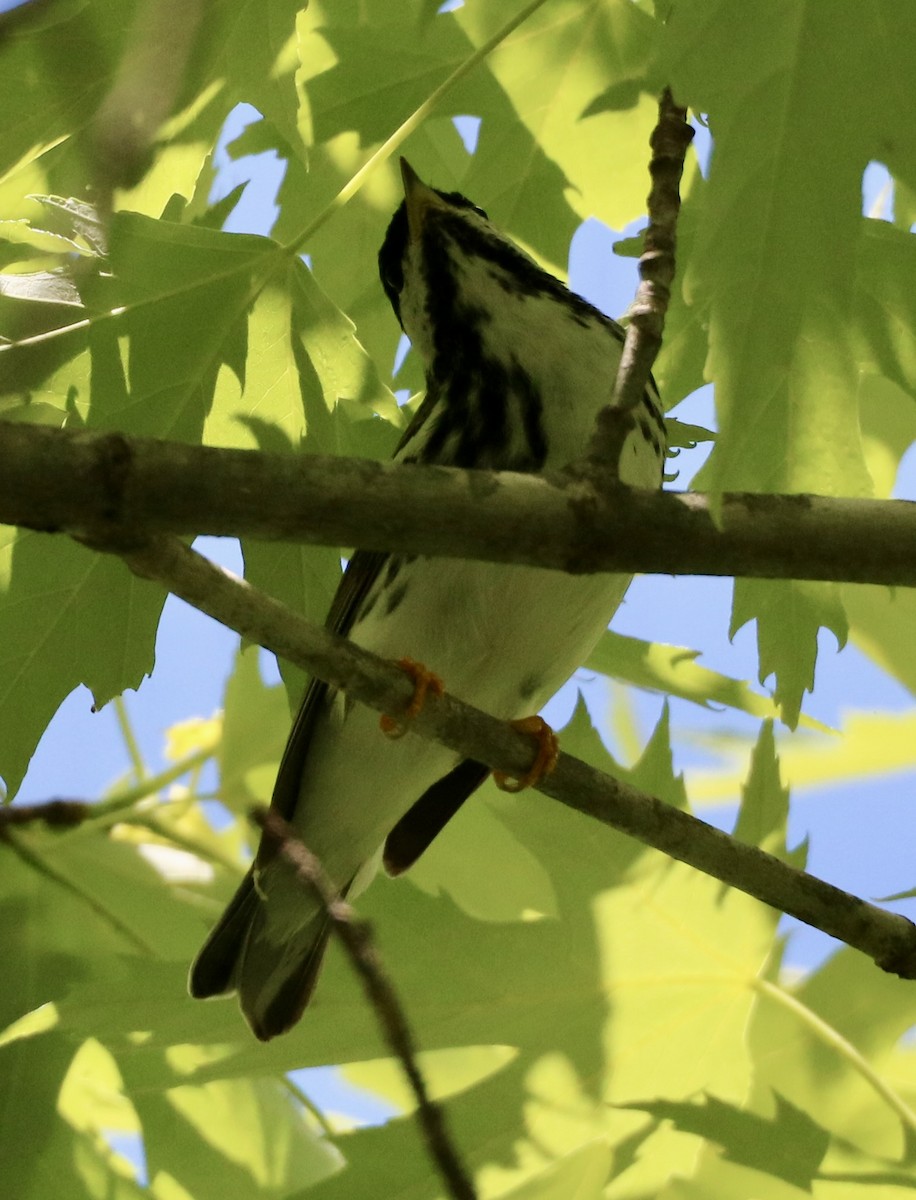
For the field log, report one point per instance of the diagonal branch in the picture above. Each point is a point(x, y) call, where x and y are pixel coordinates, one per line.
point(355, 935)
point(886, 937)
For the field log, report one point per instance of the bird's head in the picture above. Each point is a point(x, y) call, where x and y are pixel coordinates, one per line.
point(445, 267)
point(424, 254)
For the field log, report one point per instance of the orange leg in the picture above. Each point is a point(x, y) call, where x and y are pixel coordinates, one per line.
point(424, 683)
point(545, 761)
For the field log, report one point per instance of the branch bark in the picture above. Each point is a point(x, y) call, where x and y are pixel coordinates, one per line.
point(78, 482)
point(886, 937)
point(669, 141)
point(356, 937)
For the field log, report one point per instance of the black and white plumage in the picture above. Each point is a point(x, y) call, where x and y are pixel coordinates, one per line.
point(517, 368)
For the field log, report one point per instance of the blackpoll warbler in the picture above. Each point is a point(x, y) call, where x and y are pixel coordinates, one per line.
point(517, 367)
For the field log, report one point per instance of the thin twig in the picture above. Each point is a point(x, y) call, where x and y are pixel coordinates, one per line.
point(886, 937)
point(669, 141)
point(56, 814)
point(412, 123)
point(65, 814)
point(842, 1046)
point(356, 938)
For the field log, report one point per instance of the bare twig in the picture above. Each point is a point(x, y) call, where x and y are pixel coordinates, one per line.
point(64, 814)
point(56, 814)
point(886, 937)
point(356, 938)
point(669, 141)
point(59, 480)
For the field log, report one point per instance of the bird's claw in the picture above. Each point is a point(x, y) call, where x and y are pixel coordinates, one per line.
point(544, 762)
point(425, 682)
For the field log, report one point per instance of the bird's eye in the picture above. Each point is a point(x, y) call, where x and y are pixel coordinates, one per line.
point(392, 278)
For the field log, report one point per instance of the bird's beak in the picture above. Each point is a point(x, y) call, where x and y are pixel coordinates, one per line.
point(420, 200)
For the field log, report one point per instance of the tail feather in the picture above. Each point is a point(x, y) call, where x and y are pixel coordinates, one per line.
point(213, 971)
point(274, 978)
point(276, 982)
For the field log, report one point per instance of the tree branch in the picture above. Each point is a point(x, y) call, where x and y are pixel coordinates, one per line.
point(886, 937)
point(56, 814)
point(669, 141)
point(356, 938)
point(78, 482)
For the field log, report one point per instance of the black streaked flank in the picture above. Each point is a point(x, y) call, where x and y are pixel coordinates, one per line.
point(394, 598)
point(367, 606)
point(652, 435)
point(529, 398)
point(382, 584)
point(473, 427)
point(394, 569)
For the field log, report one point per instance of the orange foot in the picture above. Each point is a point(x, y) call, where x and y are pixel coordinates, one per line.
point(545, 761)
point(424, 682)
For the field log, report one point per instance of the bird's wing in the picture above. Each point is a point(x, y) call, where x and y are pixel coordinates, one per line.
point(427, 818)
point(218, 967)
point(361, 573)
point(417, 421)
point(435, 808)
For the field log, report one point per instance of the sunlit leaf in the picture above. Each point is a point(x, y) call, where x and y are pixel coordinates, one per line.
point(673, 670)
point(67, 616)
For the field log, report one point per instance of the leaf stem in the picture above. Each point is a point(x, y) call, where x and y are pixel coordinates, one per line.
point(41, 866)
point(406, 128)
point(835, 1040)
point(114, 806)
point(130, 740)
point(310, 1106)
point(151, 822)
